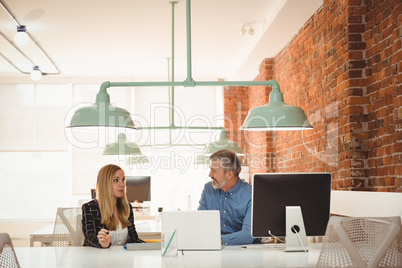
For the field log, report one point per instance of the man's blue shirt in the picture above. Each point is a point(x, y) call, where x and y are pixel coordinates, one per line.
point(235, 210)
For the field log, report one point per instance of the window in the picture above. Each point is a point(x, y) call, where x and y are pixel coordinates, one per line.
point(32, 117)
point(41, 168)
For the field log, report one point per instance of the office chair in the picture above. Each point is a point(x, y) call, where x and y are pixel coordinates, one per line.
point(7, 253)
point(67, 228)
point(79, 235)
point(362, 242)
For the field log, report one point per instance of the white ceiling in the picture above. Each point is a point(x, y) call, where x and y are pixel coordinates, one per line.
point(132, 38)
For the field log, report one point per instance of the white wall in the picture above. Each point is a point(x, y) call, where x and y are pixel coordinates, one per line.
point(366, 204)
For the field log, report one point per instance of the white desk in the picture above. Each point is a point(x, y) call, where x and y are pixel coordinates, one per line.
point(230, 256)
point(146, 229)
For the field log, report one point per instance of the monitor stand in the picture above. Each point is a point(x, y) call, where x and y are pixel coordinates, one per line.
point(296, 239)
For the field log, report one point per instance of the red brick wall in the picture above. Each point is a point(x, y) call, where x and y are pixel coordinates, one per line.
point(327, 69)
point(236, 105)
point(384, 77)
point(344, 69)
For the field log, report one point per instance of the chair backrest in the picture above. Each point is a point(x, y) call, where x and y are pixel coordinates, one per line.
point(79, 235)
point(7, 253)
point(67, 228)
point(362, 242)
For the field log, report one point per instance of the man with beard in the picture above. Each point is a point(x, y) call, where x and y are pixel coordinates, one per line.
point(231, 196)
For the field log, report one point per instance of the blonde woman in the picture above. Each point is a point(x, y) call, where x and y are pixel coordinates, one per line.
point(108, 220)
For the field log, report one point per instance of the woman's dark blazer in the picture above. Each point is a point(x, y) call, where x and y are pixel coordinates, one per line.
point(91, 225)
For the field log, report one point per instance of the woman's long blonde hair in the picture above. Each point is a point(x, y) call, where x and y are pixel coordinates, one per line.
point(106, 199)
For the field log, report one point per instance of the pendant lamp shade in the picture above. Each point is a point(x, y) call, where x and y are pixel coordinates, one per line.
point(276, 115)
point(122, 147)
point(223, 144)
point(102, 113)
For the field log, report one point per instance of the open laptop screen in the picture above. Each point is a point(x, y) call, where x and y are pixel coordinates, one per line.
point(196, 230)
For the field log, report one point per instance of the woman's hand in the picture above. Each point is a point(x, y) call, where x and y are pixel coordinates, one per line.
point(104, 238)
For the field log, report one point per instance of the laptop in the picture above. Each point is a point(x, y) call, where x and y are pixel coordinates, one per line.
point(196, 230)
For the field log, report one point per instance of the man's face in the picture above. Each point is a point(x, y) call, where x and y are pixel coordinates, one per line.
point(217, 174)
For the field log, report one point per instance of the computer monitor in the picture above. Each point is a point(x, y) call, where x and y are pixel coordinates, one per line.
point(138, 188)
point(278, 196)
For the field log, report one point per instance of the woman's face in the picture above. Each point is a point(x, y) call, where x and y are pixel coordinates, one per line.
point(119, 184)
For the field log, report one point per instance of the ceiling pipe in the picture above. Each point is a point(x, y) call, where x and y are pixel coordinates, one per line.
point(189, 81)
point(171, 100)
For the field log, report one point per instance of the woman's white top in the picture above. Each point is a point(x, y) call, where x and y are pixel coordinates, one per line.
point(119, 236)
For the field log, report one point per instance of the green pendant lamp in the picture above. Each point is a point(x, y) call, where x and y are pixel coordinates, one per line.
point(223, 144)
point(102, 113)
point(276, 115)
point(122, 147)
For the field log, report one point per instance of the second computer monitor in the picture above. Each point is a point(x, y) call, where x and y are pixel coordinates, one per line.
point(273, 192)
point(138, 188)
